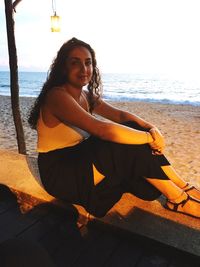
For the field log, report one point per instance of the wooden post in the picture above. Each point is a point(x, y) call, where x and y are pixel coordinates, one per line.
point(14, 85)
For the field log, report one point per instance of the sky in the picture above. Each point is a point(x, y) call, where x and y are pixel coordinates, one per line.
point(129, 36)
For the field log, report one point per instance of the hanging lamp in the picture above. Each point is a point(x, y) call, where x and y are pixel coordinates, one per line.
point(55, 19)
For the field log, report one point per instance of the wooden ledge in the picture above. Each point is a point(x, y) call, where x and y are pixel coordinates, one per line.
point(20, 173)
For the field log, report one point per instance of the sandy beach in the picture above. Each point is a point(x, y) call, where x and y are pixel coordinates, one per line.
point(180, 124)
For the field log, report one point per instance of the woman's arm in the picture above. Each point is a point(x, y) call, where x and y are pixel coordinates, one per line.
point(117, 115)
point(64, 107)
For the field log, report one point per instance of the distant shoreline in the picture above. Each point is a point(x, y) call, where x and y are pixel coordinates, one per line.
point(130, 101)
point(120, 87)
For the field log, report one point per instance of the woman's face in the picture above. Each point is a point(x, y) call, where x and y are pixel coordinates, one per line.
point(79, 67)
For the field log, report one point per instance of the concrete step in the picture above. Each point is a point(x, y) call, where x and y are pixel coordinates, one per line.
point(150, 219)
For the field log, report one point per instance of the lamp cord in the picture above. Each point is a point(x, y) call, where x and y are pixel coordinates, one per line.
point(54, 6)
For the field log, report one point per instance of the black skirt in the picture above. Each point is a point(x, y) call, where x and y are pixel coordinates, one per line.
point(67, 173)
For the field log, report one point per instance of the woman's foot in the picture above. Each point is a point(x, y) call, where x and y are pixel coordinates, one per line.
point(192, 191)
point(185, 204)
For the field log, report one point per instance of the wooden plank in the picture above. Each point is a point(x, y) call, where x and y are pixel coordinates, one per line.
point(73, 246)
point(54, 239)
point(62, 228)
point(153, 257)
point(128, 253)
point(96, 244)
point(7, 199)
point(145, 251)
point(97, 254)
point(184, 260)
point(14, 222)
point(46, 218)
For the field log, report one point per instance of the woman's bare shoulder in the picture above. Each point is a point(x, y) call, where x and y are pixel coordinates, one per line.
point(58, 96)
point(58, 91)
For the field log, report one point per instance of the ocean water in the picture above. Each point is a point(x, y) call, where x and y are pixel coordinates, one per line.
point(119, 87)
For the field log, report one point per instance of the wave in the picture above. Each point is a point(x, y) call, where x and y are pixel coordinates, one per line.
point(151, 100)
point(4, 86)
point(119, 87)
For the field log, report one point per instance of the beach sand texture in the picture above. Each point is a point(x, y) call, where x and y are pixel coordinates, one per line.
point(180, 124)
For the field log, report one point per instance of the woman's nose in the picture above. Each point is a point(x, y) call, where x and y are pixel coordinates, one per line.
point(83, 67)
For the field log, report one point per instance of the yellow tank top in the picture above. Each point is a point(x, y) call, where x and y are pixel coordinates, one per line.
point(60, 136)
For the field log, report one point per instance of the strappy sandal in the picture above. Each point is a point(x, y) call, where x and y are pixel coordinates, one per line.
point(182, 203)
point(188, 187)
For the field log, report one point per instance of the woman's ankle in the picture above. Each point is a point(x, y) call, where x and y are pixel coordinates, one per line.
point(186, 186)
point(178, 199)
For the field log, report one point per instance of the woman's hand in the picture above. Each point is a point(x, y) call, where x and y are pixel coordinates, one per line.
point(158, 143)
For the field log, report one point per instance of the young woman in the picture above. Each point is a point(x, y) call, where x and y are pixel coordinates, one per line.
point(90, 161)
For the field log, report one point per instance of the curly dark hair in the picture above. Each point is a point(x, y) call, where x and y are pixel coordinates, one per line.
point(57, 77)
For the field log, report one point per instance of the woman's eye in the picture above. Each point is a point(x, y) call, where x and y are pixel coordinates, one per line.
point(88, 63)
point(75, 63)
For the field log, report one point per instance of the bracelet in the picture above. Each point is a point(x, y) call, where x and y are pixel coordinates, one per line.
point(152, 129)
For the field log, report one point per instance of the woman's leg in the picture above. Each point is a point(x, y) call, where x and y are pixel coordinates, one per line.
point(98, 176)
point(171, 188)
point(133, 168)
point(171, 173)
point(176, 195)
point(175, 178)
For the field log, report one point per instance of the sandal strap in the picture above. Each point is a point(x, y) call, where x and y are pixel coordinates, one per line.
point(188, 187)
point(182, 203)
